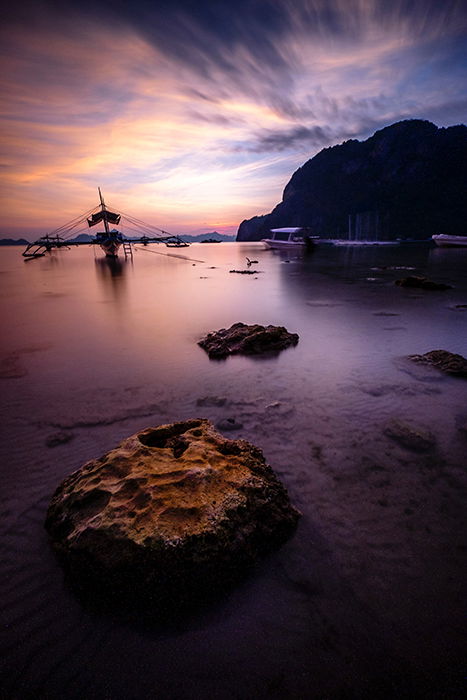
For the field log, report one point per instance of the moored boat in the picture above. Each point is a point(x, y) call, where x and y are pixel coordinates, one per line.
point(109, 240)
point(290, 238)
point(446, 241)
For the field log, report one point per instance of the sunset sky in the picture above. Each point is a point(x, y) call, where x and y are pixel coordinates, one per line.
point(193, 114)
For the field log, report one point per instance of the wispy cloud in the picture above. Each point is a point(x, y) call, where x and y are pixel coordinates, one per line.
point(266, 142)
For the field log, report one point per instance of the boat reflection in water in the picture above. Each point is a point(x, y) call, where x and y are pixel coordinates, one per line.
point(109, 267)
point(111, 274)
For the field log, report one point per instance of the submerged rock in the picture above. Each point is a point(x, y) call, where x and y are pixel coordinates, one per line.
point(422, 283)
point(211, 401)
point(60, 438)
point(169, 516)
point(229, 424)
point(247, 340)
point(414, 438)
point(446, 361)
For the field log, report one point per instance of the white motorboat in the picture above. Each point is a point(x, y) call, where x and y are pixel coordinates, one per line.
point(290, 238)
point(446, 241)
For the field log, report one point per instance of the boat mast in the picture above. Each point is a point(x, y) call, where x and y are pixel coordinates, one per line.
point(106, 223)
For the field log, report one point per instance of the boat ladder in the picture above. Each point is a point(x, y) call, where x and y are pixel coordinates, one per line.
point(128, 249)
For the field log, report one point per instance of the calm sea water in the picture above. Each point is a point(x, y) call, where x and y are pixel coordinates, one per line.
point(368, 597)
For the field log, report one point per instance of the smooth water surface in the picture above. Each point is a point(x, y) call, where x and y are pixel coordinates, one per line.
point(368, 598)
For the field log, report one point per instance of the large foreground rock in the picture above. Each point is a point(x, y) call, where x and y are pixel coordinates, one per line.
point(247, 340)
point(171, 515)
point(446, 361)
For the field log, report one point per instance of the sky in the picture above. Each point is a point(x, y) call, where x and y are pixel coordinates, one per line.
point(192, 115)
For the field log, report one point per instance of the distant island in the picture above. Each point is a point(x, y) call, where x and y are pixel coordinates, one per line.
point(408, 180)
point(13, 241)
point(214, 236)
point(86, 238)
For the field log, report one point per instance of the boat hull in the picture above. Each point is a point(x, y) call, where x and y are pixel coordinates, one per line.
point(110, 248)
point(110, 243)
point(445, 241)
point(284, 245)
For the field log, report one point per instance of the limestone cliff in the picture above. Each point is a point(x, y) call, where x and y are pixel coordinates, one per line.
point(407, 180)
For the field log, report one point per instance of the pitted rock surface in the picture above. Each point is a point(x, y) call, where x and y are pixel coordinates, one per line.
point(170, 514)
point(247, 340)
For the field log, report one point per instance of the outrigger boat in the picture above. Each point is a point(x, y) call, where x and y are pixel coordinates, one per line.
point(109, 240)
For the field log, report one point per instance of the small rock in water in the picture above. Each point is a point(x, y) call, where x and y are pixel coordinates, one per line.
point(211, 401)
point(408, 436)
point(422, 283)
point(229, 424)
point(447, 362)
point(247, 340)
point(60, 438)
point(167, 518)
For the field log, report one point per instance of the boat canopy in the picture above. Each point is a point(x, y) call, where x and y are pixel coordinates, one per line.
point(295, 229)
point(104, 215)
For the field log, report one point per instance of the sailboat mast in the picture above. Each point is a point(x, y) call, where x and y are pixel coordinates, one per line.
point(106, 223)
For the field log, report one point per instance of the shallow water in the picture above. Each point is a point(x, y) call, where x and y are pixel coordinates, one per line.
point(367, 599)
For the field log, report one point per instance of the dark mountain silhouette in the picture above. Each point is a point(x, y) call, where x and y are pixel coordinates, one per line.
point(86, 238)
point(203, 236)
point(13, 241)
point(408, 180)
point(81, 238)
